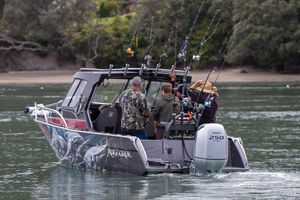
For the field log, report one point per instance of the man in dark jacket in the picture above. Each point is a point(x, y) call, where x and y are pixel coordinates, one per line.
point(163, 109)
point(204, 93)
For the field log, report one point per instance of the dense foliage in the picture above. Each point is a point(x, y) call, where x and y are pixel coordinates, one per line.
point(261, 33)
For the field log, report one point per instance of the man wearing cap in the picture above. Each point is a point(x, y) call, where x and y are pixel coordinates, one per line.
point(203, 92)
point(134, 110)
point(164, 107)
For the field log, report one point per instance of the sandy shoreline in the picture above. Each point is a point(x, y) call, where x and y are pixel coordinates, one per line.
point(228, 75)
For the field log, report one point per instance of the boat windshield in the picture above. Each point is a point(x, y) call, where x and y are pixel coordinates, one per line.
point(75, 93)
point(151, 89)
point(108, 91)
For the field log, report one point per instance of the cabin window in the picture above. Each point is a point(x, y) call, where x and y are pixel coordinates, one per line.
point(153, 91)
point(74, 95)
point(108, 92)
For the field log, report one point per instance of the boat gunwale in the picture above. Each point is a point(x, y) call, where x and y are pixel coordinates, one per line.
point(83, 131)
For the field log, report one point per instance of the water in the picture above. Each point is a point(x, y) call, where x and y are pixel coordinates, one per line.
point(265, 116)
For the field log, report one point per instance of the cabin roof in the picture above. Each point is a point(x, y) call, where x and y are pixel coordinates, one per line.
point(93, 75)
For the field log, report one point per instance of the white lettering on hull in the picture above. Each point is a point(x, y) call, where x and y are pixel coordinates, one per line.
point(113, 153)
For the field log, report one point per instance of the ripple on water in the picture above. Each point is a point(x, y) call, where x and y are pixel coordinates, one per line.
point(15, 115)
point(9, 119)
point(13, 134)
point(246, 185)
point(282, 115)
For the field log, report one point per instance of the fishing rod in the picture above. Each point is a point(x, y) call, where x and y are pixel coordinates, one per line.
point(182, 55)
point(164, 53)
point(133, 43)
point(182, 52)
point(221, 66)
point(224, 49)
point(220, 57)
point(173, 67)
point(148, 57)
point(215, 21)
point(184, 46)
point(204, 40)
point(207, 102)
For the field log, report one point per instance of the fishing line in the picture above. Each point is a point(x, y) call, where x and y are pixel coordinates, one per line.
point(214, 21)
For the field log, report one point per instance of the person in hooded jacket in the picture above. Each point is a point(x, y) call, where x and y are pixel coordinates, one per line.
point(163, 109)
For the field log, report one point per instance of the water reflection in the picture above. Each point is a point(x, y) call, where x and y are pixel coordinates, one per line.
point(62, 183)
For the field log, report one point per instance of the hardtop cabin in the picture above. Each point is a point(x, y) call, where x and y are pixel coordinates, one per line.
point(92, 88)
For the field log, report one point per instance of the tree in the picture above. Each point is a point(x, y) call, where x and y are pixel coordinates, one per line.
point(21, 18)
point(265, 33)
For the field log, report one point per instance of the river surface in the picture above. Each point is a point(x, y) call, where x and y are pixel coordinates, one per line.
point(265, 116)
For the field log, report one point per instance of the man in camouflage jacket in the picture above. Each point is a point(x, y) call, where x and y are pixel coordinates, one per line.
point(135, 110)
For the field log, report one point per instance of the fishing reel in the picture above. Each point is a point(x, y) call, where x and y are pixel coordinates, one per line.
point(164, 55)
point(186, 101)
point(147, 58)
point(200, 107)
point(129, 51)
point(181, 55)
point(197, 57)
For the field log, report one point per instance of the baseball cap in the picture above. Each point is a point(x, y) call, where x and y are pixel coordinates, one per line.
point(136, 80)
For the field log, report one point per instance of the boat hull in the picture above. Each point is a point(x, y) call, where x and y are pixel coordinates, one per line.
point(128, 154)
point(86, 150)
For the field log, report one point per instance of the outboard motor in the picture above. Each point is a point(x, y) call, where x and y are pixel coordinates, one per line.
point(210, 149)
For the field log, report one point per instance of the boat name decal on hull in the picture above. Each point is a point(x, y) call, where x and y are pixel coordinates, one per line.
point(113, 153)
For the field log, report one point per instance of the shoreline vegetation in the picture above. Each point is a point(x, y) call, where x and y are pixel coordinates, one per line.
point(226, 76)
point(264, 34)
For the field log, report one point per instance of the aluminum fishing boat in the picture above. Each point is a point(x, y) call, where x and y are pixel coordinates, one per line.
point(86, 137)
